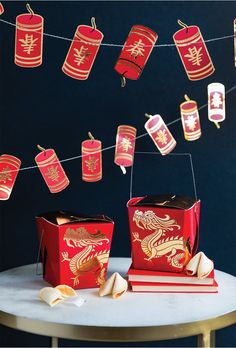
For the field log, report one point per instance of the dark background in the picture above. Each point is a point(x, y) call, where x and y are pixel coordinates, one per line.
point(45, 106)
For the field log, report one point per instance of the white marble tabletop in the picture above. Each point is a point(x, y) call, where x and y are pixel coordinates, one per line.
point(19, 288)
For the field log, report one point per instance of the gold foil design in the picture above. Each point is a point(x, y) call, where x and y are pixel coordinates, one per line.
point(86, 260)
point(53, 173)
point(155, 245)
point(126, 144)
point(5, 175)
point(194, 55)
point(28, 43)
point(91, 163)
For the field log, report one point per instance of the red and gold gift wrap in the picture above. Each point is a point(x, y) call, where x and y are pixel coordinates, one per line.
point(190, 119)
point(82, 52)
point(1, 8)
point(9, 167)
point(75, 248)
point(29, 40)
point(91, 160)
point(125, 145)
point(216, 103)
point(52, 171)
point(193, 52)
point(160, 134)
point(135, 52)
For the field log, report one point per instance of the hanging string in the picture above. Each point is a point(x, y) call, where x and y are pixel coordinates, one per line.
point(113, 146)
point(118, 45)
point(170, 154)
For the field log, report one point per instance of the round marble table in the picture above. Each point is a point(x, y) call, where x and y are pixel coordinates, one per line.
point(133, 317)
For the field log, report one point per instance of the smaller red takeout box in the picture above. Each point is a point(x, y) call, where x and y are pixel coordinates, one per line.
point(164, 231)
point(75, 248)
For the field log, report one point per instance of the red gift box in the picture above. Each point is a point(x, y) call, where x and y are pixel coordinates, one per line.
point(75, 249)
point(164, 231)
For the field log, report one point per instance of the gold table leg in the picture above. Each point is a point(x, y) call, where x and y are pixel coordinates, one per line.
point(207, 339)
point(54, 342)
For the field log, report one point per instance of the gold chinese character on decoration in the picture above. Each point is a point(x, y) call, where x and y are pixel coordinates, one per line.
point(216, 100)
point(52, 173)
point(137, 49)
point(5, 175)
point(194, 55)
point(28, 43)
point(162, 137)
point(191, 122)
point(81, 55)
point(126, 144)
point(91, 163)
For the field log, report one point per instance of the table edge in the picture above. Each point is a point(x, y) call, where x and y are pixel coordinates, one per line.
point(116, 334)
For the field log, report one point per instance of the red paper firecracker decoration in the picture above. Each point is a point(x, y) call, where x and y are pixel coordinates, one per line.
point(190, 119)
point(160, 134)
point(9, 167)
point(135, 52)
point(29, 39)
point(125, 146)
point(193, 52)
point(216, 103)
point(51, 170)
point(91, 159)
point(1, 8)
point(83, 51)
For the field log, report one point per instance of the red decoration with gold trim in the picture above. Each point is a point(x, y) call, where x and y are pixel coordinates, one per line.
point(83, 51)
point(9, 167)
point(51, 170)
point(29, 39)
point(190, 119)
point(160, 134)
point(125, 146)
point(193, 52)
point(135, 52)
point(91, 159)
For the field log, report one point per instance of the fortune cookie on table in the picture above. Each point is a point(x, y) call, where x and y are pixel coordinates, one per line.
point(66, 291)
point(115, 286)
point(200, 264)
point(51, 296)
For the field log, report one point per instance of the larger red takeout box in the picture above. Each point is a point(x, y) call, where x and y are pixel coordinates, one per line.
point(164, 231)
point(75, 249)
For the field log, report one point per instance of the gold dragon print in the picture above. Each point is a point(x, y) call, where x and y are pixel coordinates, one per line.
point(87, 260)
point(157, 244)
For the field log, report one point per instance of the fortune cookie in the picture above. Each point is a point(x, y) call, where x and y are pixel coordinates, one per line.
point(115, 286)
point(200, 264)
point(50, 295)
point(66, 291)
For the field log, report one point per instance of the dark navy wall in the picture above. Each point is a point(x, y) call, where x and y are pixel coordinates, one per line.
point(44, 106)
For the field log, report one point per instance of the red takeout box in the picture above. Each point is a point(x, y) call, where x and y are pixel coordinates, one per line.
point(75, 248)
point(164, 231)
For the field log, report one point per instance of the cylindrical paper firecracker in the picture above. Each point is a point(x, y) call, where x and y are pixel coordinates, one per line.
point(29, 40)
point(125, 146)
point(193, 52)
point(91, 159)
point(1, 8)
point(82, 51)
point(9, 167)
point(216, 103)
point(160, 134)
point(135, 52)
point(51, 170)
point(190, 119)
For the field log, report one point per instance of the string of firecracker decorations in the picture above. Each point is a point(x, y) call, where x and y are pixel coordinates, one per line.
point(91, 149)
point(29, 33)
point(133, 56)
